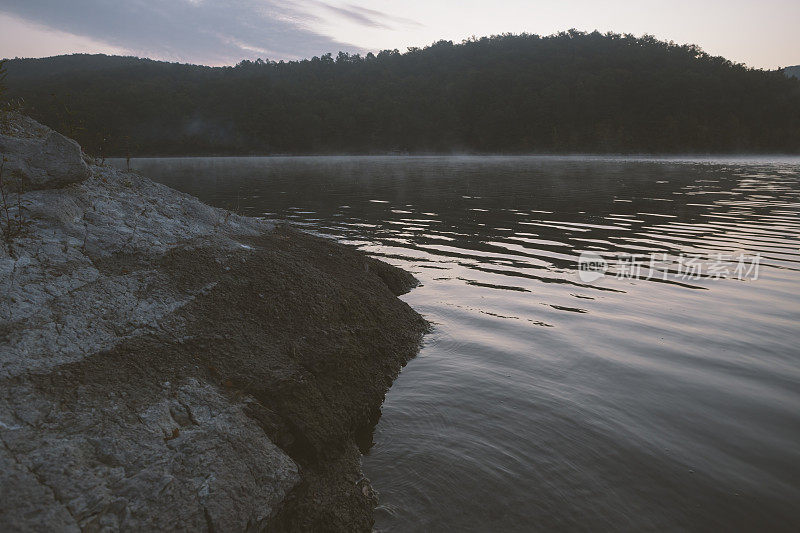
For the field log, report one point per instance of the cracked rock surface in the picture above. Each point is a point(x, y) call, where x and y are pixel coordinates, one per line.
point(189, 460)
point(167, 365)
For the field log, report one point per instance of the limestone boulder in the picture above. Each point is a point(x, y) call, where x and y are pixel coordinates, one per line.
point(47, 162)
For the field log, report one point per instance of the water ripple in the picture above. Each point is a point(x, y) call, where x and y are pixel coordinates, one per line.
point(542, 401)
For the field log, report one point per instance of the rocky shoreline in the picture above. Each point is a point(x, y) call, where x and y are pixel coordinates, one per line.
point(168, 365)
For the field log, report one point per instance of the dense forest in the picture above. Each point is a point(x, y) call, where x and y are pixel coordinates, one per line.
point(570, 92)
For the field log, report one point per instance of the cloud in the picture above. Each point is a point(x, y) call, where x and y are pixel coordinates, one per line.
point(353, 15)
point(204, 31)
point(380, 15)
point(365, 16)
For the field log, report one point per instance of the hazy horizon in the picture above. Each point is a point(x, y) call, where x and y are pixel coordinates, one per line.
point(225, 32)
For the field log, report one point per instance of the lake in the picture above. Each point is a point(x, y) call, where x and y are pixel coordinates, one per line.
point(616, 341)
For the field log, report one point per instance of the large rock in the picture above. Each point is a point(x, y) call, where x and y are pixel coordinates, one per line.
point(166, 365)
point(49, 161)
point(81, 278)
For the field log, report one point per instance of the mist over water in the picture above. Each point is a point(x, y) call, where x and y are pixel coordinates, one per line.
point(541, 401)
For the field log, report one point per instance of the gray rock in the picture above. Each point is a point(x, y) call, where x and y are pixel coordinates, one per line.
point(81, 278)
point(189, 459)
point(47, 161)
point(168, 365)
point(60, 291)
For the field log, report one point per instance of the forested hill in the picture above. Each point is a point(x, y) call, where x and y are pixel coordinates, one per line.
point(792, 71)
point(571, 92)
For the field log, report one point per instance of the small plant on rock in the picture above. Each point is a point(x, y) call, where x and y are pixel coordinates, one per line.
point(8, 107)
point(3, 91)
point(68, 121)
point(11, 218)
point(3, 74)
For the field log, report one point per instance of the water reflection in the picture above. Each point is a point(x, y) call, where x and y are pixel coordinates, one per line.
point(543, 401)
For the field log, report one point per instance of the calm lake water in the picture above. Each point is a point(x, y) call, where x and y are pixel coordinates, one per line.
point(543, 401)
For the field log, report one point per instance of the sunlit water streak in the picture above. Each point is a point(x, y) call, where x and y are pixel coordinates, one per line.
point(540, 401)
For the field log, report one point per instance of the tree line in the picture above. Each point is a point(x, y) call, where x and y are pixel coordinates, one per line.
point(568, 92)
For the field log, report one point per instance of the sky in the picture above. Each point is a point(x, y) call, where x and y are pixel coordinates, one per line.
point(763, 34)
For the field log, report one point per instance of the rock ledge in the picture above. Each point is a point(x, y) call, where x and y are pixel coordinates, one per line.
point(168, 365)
